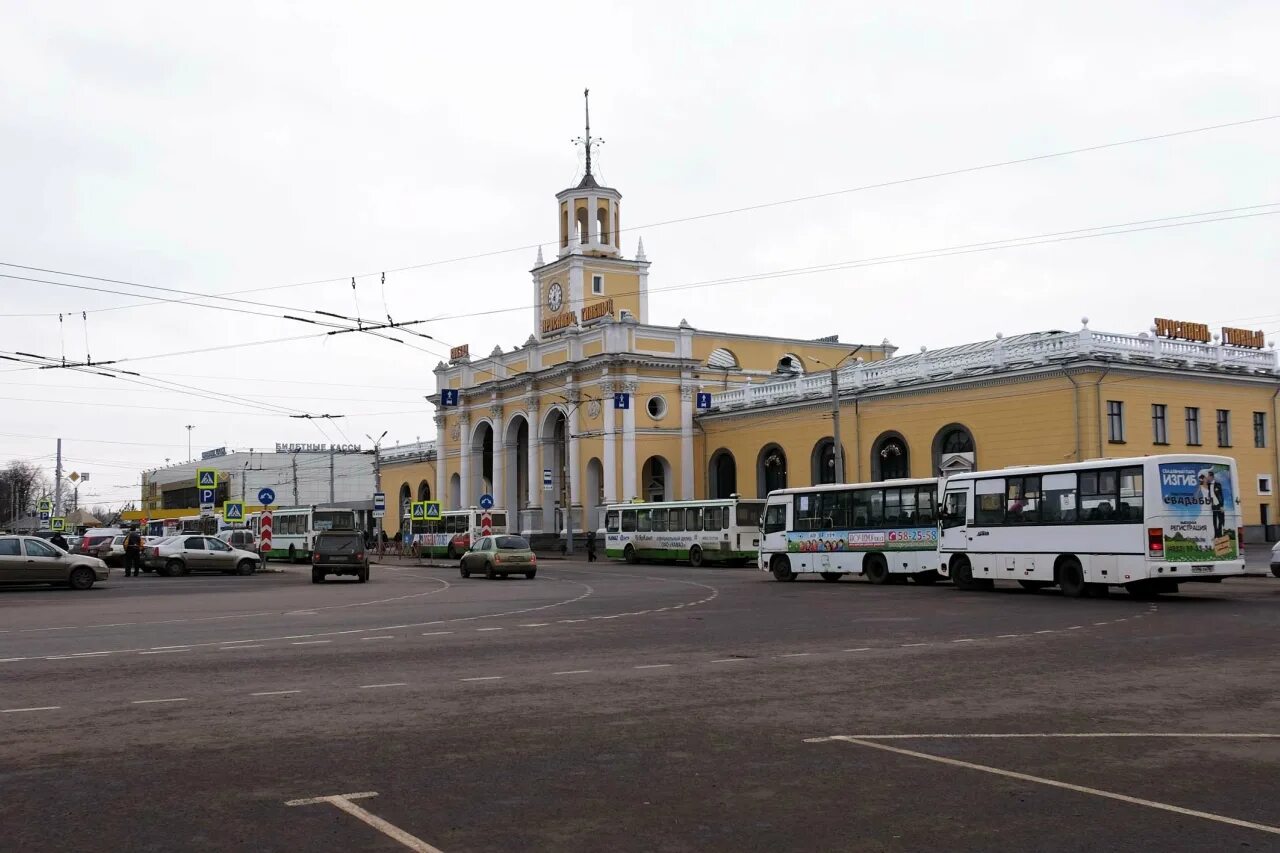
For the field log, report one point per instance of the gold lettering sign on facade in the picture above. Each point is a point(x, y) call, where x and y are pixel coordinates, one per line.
point(1243, 337)
point(603, 308)
point(559, 321)
point(1182, 330)
point(460, 352)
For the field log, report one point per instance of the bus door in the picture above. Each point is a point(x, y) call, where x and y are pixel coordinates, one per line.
point(775, 525)
point(953, 520)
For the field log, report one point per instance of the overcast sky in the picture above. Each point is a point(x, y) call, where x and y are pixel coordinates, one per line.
point(254, 145)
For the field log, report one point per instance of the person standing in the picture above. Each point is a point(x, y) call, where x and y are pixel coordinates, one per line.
point(591, 547)
point(133, 554)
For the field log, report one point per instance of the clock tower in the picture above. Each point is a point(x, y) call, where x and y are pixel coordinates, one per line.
point(589, 280)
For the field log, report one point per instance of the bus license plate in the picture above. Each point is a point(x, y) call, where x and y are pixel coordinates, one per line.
point(1196, 570)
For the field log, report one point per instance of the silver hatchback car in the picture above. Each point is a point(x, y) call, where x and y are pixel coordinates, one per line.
point(183, 554)
point(31, 560)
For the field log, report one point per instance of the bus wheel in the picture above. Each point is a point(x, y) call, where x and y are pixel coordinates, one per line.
point(1034, 586)
point(695, 556)
point(926, 578)
point(875, 569)
point(962, 574)
point(629, 554)
point(832, 577)
point(451, 553)
point(781, 568)
point(1071, 578)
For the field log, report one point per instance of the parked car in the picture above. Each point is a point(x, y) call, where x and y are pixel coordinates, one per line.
point(244, 539)
point(92, 539)
point(181, 555)
point(339, 552)
point(499, 556)
point(1275, 559)
point(112, 553)
point(30, 560)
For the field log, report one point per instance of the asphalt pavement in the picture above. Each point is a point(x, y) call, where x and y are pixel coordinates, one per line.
point(618, 707)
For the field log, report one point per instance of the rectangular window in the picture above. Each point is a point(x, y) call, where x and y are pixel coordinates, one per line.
point(1264, 485)
point(716, 518)
point(1115, 421)
point(644, 521)
point(892, 507)
point(1159, 423)
point(1058, 499)
point(807, 516)
point(908, 517)
point(1130, 506)
point(629, 521)
point(926, 512)
point(954, 509)
point(675, 521)
point(1259, 429)
point(658, 520)
point(693, 518)
point(1022, 500)
point(875, 517)
point(837, 507)
point(613, 523)
point(597, 284)
point(775, 518)
point(1193, 426)
point(1224, 428)
point(861, 509)
point(989, 509)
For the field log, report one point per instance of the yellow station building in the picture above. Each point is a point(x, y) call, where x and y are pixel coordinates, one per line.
point(601, 404)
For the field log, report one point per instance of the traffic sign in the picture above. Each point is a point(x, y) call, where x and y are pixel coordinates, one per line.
point(57, 525)
point(486, 525)
point(266, 497)
point(44, 505)
point(264, 533)
point(207, 478)
point(73, 476)
point(704, 400)
point(207, 498)
point(418, 511)
point(622, 400)
point(45, 515)
point(448, 396)
point(379, 504)
point(432, 510)
point(546, 479)
point(486, 501)
point(233, 511)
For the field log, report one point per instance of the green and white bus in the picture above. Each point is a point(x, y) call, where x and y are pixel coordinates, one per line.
point(294, 529)
point(724, 531)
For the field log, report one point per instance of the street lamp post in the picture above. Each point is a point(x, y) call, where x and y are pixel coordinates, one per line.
point(835, 409)
point(377, 480)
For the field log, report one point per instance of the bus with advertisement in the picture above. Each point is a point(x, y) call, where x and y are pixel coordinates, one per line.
point(722, 531)
point(1148, 524)
point(452, 534)
point(884, 531)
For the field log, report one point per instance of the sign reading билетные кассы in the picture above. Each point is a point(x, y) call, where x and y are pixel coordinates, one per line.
point(1196, 497)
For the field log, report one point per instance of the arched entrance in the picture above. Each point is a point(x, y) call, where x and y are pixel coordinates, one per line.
point(403, 502)
point(953, 450)
point(593, 495)
point(890, 457)
point(555, 456)
point(424, 491)
point(481, 461)
point(655, 479)
point(771, 470)
point(455, 491)
point(722, 475)
point(516, 482)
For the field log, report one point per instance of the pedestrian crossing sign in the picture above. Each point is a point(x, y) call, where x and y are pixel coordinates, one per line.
point(206, 478)
point(45, 505)
point(57, 525)
point(432, 509)
point(418, 511)
point(233, 511)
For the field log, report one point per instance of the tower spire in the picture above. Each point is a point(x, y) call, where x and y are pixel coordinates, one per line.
point(586, 102)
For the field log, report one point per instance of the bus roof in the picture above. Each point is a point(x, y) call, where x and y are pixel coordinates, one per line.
point(879, 484)
point(669, 504)
point(1091, 464)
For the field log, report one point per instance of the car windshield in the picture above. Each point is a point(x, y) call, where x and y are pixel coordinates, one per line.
point(512, 543)
point(339, 543)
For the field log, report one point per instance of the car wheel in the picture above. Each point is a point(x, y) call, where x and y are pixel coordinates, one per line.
point(831, 577)
point(317, 576)
point(463, 570)
point(695, 556)
point(875, 569)
point(531, 574)
point(781, 568)
point(364, 575)
point(1275, 571)
point(246, 567)
point(1071, 578)
point(488, 572)
point(173, 569)
point(82, 578)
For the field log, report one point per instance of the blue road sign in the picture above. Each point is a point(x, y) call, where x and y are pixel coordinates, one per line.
point(622, 400)
point(449, 397)
point(379, 500)
point(207, 497)
point(266, 497)
point(704, 400)
point(486, 501)
point(233, 511)
point(546, 479)
point(206, 478)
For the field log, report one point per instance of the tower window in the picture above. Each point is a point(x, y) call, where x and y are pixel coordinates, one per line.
point(657, 408)
point(597, 284)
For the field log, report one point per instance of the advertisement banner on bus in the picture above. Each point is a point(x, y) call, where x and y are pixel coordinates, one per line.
point(1197, 497)
point(893, 539)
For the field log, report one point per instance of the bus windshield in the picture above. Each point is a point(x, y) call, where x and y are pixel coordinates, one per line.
point(334, 520)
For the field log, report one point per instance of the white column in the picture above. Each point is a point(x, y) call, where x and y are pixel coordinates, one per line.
point(610, 446)
point(571, 446)
point(499, 459)
point(535, 469)
point(440, 457)
point(629, 489)
point(686, 443)
point(464, 474)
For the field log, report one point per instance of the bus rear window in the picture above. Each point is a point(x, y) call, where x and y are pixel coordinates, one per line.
point(749, 514)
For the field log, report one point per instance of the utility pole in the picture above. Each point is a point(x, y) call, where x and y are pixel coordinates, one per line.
point(57, 484)
point(331, 500)
point(295, 479)
point(835, 425)
point(377, 480)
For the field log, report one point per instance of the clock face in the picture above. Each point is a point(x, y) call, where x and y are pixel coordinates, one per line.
point(555, 297)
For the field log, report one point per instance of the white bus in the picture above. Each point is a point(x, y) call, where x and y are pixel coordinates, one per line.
point(208, 525)
point(293, 529)
point(884, 531)
point(451, 536)
point(723, 531)
point(1148, 524)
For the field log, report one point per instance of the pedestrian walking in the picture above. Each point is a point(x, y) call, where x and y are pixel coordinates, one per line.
point(133, 554)
point(591, 547)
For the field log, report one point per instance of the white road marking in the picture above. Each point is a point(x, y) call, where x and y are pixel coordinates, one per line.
point(28, 710)
point(165, 652)
point(157, 701)
point(795, 655)
point(10, 660)
point(89, 654)
point(1099, 623)
point(234, 648)
point(1075, 627)
point(1046, 631)
point(535, 625)
point(912, 645)
point(390, 684)
point(275, 693)
point(299, 636)
point(1053, 783)
point(230, 642)
point(436, 633)
point(488, 629)
point(571, 672)
point(963, 640)
point(859, 649)
point(1007, 636)
point(309, 642)
point(162, 648)
point(343, 802)
point(382, 637)
point(654, 666)
point(727, 660)
point(484, 678)
point(1086, 735)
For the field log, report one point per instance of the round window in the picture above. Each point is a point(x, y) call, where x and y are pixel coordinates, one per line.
point(657, 408)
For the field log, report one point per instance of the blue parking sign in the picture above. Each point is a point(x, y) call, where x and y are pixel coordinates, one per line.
point(704, 400)
point(622, 400)
point(448, 397)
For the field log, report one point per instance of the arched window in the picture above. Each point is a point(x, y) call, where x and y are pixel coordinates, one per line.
point(790, 365)
point(405, 496)
point(722, 477)
point(822, 463)
point(890, 457)
point(953, 450)
point(584, 224)
point(424, 491)
point(722, 359)
point(602, 224)
point(771, 470)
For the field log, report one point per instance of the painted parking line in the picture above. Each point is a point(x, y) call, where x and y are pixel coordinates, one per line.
point(795, 655)
point(488, 629)
point(343, 802)
point(436, 633)
point(874, 742)
point(383, 637)
point(165, 652)
point(859, 649)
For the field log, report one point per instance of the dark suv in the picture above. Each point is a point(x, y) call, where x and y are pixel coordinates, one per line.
point(339, 552)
